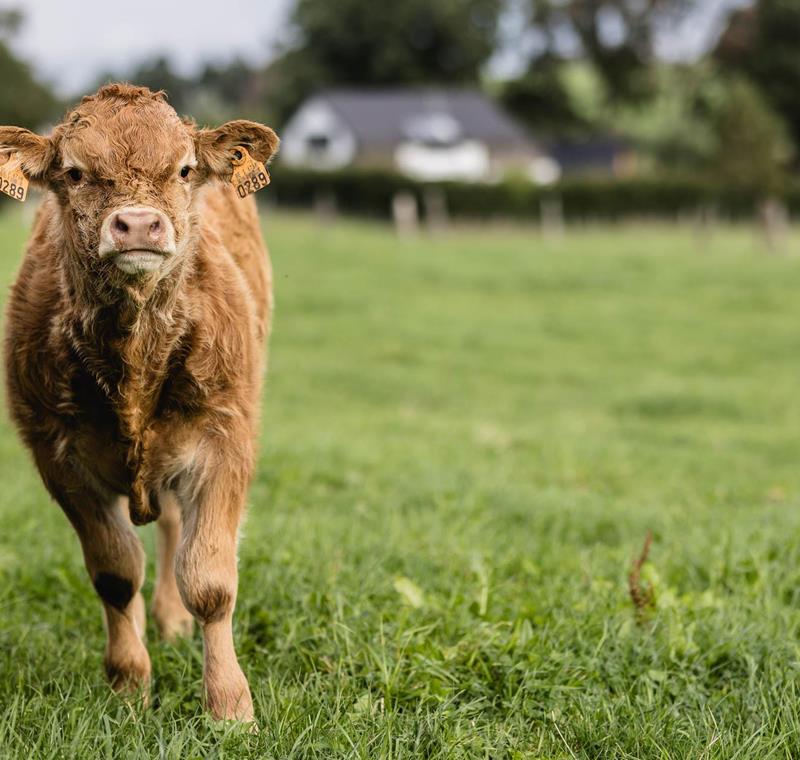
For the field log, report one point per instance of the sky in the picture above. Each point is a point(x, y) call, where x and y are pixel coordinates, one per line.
point(71, 42)
point(697, 31)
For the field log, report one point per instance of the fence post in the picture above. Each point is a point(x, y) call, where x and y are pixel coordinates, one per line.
point(325, 206)
point(705, 222)
point(405, 213)
point(774, 220)
point(552, 216)
point(436, 216)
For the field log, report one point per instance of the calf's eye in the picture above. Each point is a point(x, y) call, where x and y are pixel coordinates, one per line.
point(75, 175)
point(185, 172)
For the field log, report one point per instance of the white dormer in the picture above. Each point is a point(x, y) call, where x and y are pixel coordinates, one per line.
point(318, 138)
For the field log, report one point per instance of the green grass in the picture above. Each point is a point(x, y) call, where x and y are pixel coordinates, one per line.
point(465, 441)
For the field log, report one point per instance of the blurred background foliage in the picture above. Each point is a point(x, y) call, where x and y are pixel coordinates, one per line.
point(24, 101)
point(582, 67)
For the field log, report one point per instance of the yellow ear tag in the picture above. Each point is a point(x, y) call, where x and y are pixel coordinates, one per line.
point(12, 181)
point(248, 174)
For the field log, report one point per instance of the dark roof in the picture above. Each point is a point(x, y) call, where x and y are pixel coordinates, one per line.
point(387, 116)
point(596, 151)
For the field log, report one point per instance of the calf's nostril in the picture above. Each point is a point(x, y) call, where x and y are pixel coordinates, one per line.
point(155, 227)
point(120, 225)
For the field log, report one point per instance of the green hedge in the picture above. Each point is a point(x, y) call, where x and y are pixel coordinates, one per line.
point(370, 193)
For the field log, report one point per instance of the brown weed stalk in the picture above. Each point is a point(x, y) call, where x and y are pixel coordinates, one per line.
point(643, 598)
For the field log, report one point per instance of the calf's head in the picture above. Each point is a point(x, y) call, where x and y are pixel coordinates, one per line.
point(126, 172)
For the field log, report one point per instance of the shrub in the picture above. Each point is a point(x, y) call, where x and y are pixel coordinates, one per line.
point(370, 193)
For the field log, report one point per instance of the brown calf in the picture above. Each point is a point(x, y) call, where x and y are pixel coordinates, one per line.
point(134, 357)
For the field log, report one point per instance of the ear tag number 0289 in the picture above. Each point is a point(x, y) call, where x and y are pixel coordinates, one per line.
point(248, 174)
point(12, 181)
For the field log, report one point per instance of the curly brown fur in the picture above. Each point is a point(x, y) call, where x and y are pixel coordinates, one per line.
point(143, 385)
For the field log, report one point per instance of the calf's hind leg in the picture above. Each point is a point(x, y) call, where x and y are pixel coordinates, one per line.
point(172, 618)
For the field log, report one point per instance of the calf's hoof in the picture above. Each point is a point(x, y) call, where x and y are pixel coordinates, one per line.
point(227, 696)
point(129, 672)
point(173, 620)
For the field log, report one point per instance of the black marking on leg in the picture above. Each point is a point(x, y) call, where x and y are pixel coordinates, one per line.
point(114, 590)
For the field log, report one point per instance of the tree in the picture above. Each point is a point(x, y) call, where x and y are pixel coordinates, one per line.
point(542, 99)
point(365, 43)
point(762, 43)
point(236, 84)
point(616, 36)
point(753, 148)
point(24, 100)
point(416, 41)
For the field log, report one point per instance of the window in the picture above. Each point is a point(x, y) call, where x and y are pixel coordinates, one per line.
point(317, 144)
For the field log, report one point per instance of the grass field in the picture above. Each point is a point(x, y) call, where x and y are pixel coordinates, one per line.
point(465, 442)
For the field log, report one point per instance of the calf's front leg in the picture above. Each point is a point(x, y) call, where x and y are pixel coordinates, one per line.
point(207, 579)
point(115, 561)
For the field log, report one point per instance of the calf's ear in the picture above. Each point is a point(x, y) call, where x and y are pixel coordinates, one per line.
point(33, 153)
point(216, 148)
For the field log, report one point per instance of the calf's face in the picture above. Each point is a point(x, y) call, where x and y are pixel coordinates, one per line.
point(126, 172)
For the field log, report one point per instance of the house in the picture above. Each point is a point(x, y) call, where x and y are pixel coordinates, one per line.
point(595, 156)
point(427, 134)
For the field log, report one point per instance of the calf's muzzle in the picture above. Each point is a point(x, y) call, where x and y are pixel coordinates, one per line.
point(138, 238)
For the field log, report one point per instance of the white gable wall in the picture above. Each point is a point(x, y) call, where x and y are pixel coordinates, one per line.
point(467, 160)
point(316, 137)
